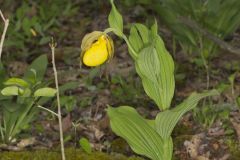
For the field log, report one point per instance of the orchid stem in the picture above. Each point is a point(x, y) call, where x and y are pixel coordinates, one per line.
point(122, 35)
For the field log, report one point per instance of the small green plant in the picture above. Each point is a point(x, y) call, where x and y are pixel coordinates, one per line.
point(20, 97)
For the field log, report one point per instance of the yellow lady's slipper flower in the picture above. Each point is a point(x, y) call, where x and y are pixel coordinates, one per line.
point(97, 48)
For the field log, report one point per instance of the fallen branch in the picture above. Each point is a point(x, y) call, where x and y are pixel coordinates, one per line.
point(222, 44)
point(6, 23)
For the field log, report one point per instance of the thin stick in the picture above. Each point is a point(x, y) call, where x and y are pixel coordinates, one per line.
point(53, 46)
point(47, 110)
point(6, 23)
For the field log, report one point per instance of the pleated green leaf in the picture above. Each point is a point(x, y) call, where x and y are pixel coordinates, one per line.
point(141, 137)
point(139, 38)
point(165, 77)
point(167, 120)
point(154, 64)
point(167, 148)
point(148, 63)
point(143, 32)
point(135, 39)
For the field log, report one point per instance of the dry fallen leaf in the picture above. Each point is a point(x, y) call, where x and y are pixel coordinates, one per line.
point(26, 142)
point(193, 146)
point(66, 123)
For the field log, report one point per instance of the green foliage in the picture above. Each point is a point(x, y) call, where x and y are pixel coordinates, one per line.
point(218, 17)
point(16, 81)
point(233, 147)
point(156, 69)
point(34, 21)
point(128, 90)
point(128, 124)
point(69, 102)
point(155, 66)
point(39, 66)
point(207, 115)
point(136, 2)
point(167, 120)
point(12, 91)
point(45, 92)
point(3, 75)
point(238, 101)
point(141, 137)
point(86, 146)
point(19, 98)
point(153, 62)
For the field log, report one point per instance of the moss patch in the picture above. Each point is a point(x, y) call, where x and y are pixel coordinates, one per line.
point(234, 148)
point(71, 154)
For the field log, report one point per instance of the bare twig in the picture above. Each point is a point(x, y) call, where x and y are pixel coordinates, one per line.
point(46, 109)
point(53, 46)
point(222, 44)
point(6, 23)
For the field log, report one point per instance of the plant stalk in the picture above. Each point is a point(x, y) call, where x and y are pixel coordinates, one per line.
point(134, 55)
point(53, 46)
point(6, 23)
point(48, 110)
